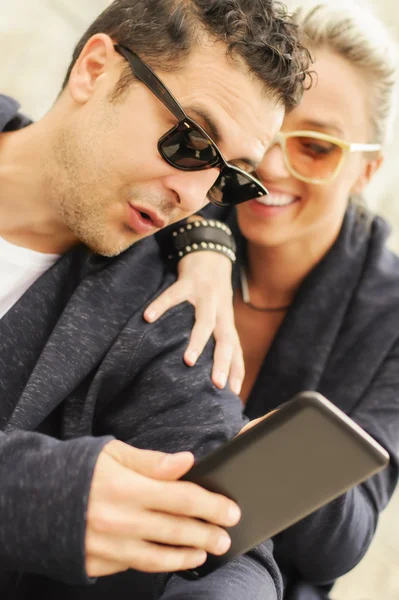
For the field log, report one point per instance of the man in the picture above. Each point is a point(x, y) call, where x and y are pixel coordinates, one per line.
point(115, 160)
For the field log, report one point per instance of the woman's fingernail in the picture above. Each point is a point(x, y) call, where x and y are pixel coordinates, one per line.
point(150, 316)
point(235, 386)
point(192, 357)
point(220, 379)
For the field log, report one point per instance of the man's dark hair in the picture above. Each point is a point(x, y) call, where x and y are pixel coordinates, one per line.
point(163, 33)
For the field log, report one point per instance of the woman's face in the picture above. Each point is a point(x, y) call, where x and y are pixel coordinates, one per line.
point(337, 104)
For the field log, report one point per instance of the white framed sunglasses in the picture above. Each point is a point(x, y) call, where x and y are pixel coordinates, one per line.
point(316, 157)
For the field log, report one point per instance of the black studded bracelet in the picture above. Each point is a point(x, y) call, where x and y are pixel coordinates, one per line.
point(200, 235)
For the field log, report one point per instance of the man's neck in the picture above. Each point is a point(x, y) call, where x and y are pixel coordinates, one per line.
point(27, 214)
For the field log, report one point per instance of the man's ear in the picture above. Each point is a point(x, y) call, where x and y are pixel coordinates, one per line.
point(95, 61)
point(370, 169)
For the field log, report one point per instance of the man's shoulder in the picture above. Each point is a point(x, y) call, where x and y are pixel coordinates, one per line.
point(122, 286)
point(140, 266)
point(10, 117)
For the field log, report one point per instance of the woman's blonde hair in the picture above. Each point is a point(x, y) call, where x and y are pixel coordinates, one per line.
point(357, 35)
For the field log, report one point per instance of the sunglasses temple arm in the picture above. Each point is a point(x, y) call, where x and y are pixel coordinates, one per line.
point(152, 81)
point(364, 147)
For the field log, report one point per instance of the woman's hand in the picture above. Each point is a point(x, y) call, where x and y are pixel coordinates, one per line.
point(204, 280)
point(256, 422)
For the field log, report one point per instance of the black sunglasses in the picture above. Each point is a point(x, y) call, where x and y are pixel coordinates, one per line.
point(189, 148)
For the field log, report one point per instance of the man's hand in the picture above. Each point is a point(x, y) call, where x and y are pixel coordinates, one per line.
point(141, 517)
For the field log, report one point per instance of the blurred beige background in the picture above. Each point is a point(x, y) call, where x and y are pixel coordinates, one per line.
point(36, 42)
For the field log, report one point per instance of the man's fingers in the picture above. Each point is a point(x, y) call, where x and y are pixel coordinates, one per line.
point(174, 295)
point(153, 558)
point(191, 500)
point(156, 527)
point(140, 517)
point(157, 465)
point(148, 557)
point(100, 567)
point(187, 532)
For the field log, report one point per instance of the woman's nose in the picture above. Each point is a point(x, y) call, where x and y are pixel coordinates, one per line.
point(273, 165)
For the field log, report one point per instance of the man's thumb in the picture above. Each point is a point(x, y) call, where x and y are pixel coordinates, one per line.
point(157, 465)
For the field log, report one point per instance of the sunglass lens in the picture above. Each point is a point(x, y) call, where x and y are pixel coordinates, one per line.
point(313, 158)
point(232, 187)
point(187, 148)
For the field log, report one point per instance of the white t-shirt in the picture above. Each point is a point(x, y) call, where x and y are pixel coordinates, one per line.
point(19, 269)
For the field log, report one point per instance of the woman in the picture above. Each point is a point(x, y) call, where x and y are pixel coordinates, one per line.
point(316, 291)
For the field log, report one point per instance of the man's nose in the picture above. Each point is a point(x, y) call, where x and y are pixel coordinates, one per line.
point(192, 187)
point(273, 164)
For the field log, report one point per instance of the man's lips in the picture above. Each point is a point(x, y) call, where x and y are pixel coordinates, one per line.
point(143, 220)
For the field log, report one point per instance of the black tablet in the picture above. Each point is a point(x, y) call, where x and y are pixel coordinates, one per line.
point(299, 458)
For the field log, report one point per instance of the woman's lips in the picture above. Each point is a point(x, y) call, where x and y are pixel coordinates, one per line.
point(272, 204)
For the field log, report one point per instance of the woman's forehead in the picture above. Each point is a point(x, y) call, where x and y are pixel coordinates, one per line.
point(338, 100)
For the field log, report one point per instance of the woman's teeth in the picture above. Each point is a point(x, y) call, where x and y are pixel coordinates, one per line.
point(276, 200)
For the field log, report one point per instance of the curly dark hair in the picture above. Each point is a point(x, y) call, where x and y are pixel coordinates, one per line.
point(163, 32)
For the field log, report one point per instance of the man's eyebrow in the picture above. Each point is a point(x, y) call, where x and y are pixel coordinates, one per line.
point(213, 129)
point(215, 134)
point(248, 161)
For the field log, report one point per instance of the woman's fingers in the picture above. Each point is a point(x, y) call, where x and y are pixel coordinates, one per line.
point(223, 356)
point(205, 282)
point(205, 318)
point(228, 356)
point(256, 421)
point(237, 369)
point(174, 295)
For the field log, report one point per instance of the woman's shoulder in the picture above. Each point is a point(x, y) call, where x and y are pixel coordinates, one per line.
point(382, 264)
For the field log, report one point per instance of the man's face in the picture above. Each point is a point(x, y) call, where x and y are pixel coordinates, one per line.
point(110, 185)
